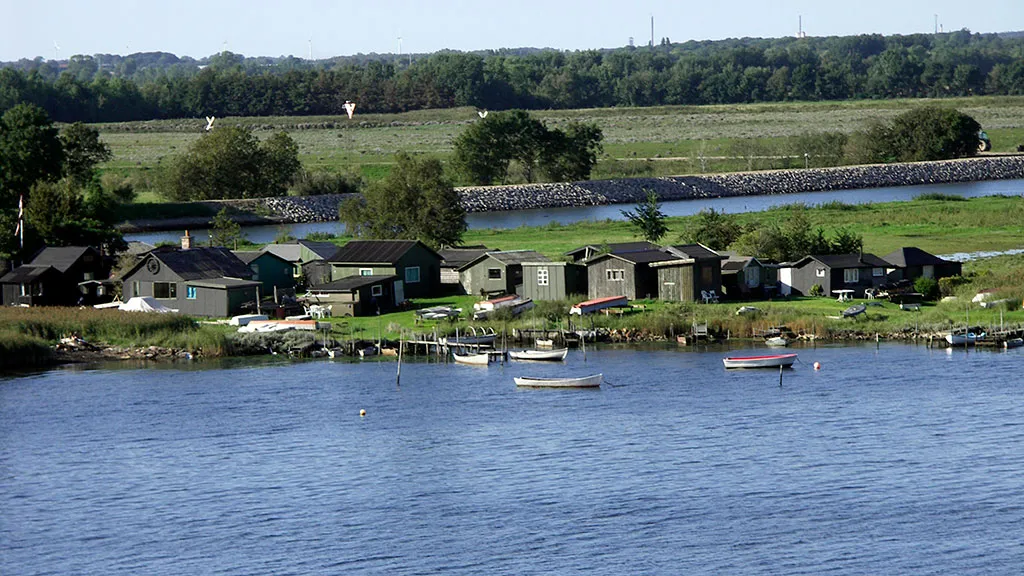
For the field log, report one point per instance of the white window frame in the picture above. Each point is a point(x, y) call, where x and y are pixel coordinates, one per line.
point(367, 271)
point(410, 269)
point(376, 290)
point(851, 275)
point(542, 276)
point(819, 272)
point(615, 274)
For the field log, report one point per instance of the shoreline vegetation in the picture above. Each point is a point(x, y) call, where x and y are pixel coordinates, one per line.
point(938, 224)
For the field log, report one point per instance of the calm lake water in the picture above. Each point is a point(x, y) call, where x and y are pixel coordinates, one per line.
point(896, 460)
point(515, 218)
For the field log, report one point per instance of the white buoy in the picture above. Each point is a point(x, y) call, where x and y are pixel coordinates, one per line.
point(362, 412)
point(817, 365)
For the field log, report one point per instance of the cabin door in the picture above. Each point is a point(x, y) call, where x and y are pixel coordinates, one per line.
point(399, 292)
point(786, 281)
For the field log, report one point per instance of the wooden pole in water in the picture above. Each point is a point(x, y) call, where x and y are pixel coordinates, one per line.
point(780, 375)
point(401, 346)
point(583, 339)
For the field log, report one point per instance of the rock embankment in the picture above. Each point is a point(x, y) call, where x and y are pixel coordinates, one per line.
point(302, 209)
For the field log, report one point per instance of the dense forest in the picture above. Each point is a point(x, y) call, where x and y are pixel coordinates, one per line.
point(110, 88)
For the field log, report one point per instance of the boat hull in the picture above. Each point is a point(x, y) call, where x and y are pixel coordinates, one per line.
point(772, 361)
point(964, 339)
point(472, 359)
point(553, 355)
point(583, 382)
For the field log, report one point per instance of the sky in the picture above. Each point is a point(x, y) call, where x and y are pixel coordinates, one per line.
point(279, 28)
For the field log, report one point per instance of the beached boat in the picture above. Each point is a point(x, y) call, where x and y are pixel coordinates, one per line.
point(544, 343)
point(769, 361)
point(514, 303)
point(776, 341)
point(582, 382)
point(1013, 343)
point(472, 359)
point(558, 354)
point(439, 312)
point(368, 351)
point(854, 310)
point(598, 304)
point(964, 338)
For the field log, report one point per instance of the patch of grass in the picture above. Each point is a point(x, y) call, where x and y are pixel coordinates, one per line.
point(940, 197)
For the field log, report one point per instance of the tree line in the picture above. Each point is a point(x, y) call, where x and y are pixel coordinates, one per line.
point(691, 73)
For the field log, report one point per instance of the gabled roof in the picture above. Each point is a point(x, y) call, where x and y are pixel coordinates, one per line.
point(616, 248)
point(292, 251)
point(845, 261)
point(61, 258)
point(695, 251)
point(322, 249)
point(224, 283)
point(26, 273)
point(198, 263)
point(137, 248)
point(376, 251)
point(910, 256)
point(640, 257)
point(248, 256)
point(507, 257)
point(351, 283)
point(456, 257)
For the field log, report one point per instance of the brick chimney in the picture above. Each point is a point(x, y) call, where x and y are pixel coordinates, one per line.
point(186, 241)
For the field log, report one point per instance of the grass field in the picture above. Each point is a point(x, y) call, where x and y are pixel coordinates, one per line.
point(654, 141)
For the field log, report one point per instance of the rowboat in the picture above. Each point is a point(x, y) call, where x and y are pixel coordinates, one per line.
point(472, 359)
point(514, 303)
point(854, 310)
point(1013, 343)
point(558, 354)
point(544, 343)
point(439, 312)
point(769, 361)
point(964, 338)
point(776, 341)
point(582, 382)
point(598, 304)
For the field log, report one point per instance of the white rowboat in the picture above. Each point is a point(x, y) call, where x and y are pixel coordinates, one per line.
point(558, 354)
point(776, 341)
point(962, 339)
point(770, 361)
point(472, 359)
point(582, 382)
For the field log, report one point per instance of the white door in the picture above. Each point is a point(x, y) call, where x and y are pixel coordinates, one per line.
point(399, 292)
point(786, 281)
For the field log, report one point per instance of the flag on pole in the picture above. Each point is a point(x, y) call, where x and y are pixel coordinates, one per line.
point(21, 214)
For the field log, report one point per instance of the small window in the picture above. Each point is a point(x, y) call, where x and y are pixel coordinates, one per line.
point(165, 290)
point(369, 271)
point(412, 275)
point(494, 273)
point(255, 271)
point(296, 271)
point(191, 292)
point(819, 272)
point(851, 275)
point(877, 272)
point(542, 276)
point(25, 289)
point(135, 289)
point(615, 275)
point(705, 275)
point(88, 276)
point(377, 290)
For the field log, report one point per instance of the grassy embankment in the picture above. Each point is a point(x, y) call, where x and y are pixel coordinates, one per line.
point(659, 141)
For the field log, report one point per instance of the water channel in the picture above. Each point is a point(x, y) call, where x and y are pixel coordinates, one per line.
point(512, 219)
point(898, 459)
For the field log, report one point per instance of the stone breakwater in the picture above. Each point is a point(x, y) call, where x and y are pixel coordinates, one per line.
point(296, 209)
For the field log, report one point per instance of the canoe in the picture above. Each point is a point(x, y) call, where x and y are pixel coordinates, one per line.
point(558, 354)
point(472, 359)
point(769, 361)
point(582, 382)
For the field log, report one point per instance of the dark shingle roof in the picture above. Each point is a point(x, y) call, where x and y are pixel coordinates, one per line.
point(618, 247)
point(373, 251)
point(352, 283)
point(203, 263)
point(848, 261)
point(641, 257)
point(25, 273)
point(696, 251)
point(911, 256)
point(61, 258)
point(248, 256)
point(733, 265)
point(508, 258)
point(224, 283)
point(322, 249)
point(456, 257)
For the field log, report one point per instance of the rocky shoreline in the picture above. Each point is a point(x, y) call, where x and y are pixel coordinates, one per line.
point(303, 209)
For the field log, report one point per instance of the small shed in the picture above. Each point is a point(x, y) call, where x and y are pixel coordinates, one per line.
point(911, 263)
point(417, 266)
point(626, 274)
point(269, 269)
point(498, 272)
point(454, 258)
point(742, 276)
point(855, 272)
point(553, 280)
point(584, 253)
point(357, 295)
point(693, 270)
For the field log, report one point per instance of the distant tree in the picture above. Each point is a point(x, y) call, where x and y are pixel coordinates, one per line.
point(229, 162)
point(716, 230)
point(415, 201)
point(224, 231)
point(921, 134)
point(648, 219)
point(766, 242)
point(83, 150)
point(59, 214)
point(571, 154)
point(846, 241)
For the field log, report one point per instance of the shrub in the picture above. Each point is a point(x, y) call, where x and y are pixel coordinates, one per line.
point(817, 290)
point(948, 285)
point(318, 183)
point(928, 287)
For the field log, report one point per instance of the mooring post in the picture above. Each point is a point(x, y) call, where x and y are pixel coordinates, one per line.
point(780, 376)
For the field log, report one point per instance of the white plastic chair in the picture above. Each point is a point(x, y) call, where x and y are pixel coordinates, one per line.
point(712, 296)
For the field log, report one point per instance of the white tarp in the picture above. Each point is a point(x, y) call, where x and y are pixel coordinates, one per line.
point(144, 304)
